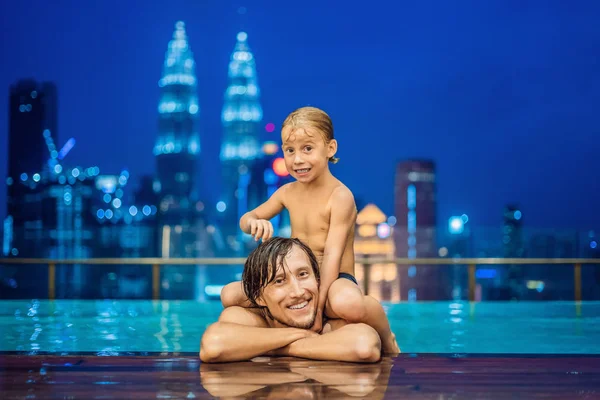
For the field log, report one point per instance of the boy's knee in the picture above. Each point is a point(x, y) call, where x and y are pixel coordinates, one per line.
point(350, 306)
point(229, 295)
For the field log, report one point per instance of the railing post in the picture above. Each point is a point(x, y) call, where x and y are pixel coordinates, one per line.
point(367, 277)
point(577, 279)
point(472, 282)
point(51, 281)
point(155, 282)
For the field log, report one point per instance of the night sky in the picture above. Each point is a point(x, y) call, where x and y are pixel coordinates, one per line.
point(505, 97)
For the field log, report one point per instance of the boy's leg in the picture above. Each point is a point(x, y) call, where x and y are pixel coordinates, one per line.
point(232, 294)
point(346, 301)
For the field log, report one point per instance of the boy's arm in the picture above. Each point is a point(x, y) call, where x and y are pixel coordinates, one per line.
point(352, 343)
point(241, 335)
point(342, 219)
point(267, 210)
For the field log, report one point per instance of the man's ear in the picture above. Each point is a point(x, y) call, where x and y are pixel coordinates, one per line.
point(331, 148)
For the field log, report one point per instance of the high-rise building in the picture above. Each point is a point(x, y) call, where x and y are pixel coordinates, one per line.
point(127, 228)
point(240, 149)
point(415, 230)
point(512, 239)
point(57, 223)
point(32, 110)
point(374, 239)
point(32, 118)
point(512, 236)
point(177, 149)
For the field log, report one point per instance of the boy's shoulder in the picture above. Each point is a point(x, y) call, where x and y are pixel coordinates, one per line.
point(287, 188)
point(341, 193)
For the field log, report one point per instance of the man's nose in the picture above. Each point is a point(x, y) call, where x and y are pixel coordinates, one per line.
point(296, 290)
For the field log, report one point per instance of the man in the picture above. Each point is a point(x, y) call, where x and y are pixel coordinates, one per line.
point(281, 280)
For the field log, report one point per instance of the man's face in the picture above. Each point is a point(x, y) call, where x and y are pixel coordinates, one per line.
point(292, 296)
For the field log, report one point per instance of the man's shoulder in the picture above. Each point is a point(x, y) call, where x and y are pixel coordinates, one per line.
point(243, 316)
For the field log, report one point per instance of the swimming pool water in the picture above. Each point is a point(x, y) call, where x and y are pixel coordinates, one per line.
point(112, 326)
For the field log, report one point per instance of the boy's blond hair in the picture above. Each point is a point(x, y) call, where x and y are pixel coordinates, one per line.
point(314, 118)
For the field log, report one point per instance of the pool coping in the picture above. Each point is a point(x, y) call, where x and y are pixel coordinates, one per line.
point(109, 353)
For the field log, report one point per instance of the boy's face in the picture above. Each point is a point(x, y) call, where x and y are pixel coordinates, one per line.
point(305, 152)
point(292, 296)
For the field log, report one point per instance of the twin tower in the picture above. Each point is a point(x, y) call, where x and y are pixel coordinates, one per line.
point(178, 144)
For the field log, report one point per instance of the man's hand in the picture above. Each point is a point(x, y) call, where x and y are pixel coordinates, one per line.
point(285, 350)
point(318, 325)
point(261, 229)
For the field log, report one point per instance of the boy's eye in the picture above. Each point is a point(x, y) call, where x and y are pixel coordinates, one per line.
point(288, 150)
point(308, 148)
point(278, 281)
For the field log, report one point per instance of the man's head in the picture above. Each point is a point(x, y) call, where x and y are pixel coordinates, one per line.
point(282, 276)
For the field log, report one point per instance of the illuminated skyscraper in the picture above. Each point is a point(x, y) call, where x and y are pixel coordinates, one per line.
point(374, 238)
point(512, 237)
point(415, 231)
point(240, 149)
point(32, 116)
point(177, 147)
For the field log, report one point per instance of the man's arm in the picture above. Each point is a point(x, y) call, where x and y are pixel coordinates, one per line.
point(342, 219)
point(352, 342)
point(241, 334)
point(267, 210)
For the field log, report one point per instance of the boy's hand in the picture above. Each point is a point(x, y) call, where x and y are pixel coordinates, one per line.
point(261, 229)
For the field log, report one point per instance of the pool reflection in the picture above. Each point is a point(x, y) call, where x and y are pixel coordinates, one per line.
point(288, 378)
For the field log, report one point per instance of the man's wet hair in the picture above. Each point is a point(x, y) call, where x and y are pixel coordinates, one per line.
point(263, 263)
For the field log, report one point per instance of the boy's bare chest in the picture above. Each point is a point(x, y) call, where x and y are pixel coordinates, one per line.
point(309, 215)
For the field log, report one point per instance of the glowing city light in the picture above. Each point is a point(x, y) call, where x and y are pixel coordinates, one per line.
point(270, 148)
point(456, 225)
point(279, 167)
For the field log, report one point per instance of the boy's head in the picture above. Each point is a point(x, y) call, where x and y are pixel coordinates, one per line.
point(282, 277)
point(313, 121)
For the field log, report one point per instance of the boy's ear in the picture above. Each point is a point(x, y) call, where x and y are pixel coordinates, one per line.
point(331, 148)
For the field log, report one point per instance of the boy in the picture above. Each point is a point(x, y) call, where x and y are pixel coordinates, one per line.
point(323, 216)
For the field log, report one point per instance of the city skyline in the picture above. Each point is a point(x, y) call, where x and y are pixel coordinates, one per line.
point(475, 179)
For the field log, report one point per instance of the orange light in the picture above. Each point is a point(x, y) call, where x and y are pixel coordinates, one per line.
point(270, 148)
point(279, 167)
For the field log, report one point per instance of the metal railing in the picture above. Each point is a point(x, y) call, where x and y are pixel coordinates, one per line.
point(157, 263)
